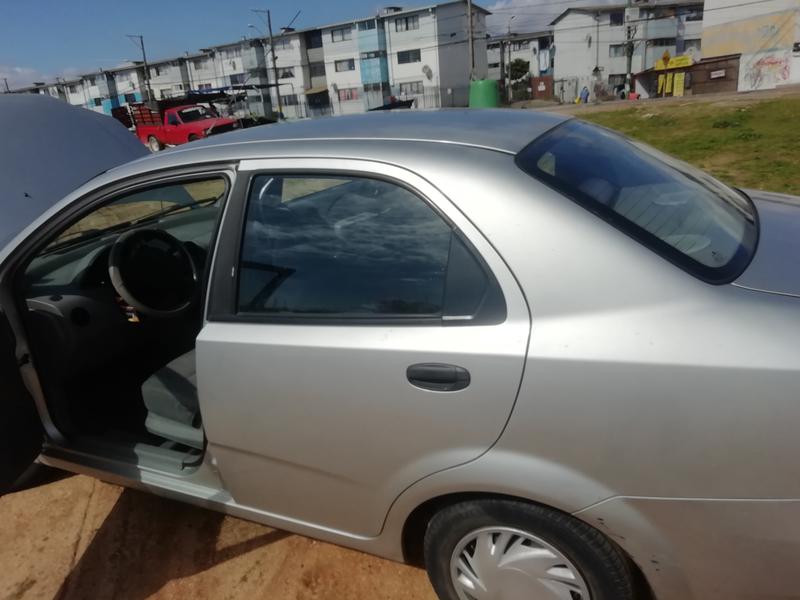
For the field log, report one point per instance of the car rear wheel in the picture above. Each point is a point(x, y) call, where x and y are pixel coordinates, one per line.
point(506, 549)
point(154, 144)
point(192, 137)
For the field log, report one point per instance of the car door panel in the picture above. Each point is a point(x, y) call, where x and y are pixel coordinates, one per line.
point(21, 432)
point(319, 422)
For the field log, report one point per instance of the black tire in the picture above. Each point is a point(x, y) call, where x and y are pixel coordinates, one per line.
point(192, 137)
point(603, 566)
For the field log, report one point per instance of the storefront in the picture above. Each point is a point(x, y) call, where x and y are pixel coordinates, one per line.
point(670, 76)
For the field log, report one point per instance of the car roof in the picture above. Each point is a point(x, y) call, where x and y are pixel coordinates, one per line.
point(504, 130)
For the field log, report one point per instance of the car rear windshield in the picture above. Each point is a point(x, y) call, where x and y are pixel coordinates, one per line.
point(682, 213)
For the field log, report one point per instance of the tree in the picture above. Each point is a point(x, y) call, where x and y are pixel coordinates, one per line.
point(518, 68)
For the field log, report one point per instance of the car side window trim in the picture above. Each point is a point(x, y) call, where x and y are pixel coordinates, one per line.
point(223, 300)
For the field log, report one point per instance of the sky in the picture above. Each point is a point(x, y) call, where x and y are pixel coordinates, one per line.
point(42, 39)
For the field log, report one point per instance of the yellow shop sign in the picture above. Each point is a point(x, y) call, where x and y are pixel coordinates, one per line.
point(676, 62)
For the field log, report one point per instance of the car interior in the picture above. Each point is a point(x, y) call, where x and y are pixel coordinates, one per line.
point(112, 315)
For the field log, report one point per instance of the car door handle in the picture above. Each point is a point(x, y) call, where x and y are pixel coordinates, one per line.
point(438, 377)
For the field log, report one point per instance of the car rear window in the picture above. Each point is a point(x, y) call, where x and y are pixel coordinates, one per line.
point(684, 214)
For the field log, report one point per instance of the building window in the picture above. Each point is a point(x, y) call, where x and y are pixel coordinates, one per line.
point(406, 23)
point(237, 79)
point(289, 100)
point(411, 87)
point(283, 44)
point(312, 272)
point(316, 69)
point(348, 64)
point(408, 56)
point(616, 50)
point(130, 98)
point(98, 101)
point(314, 39)
point(616, 80)
point(90, 80)
point(616, 18)
point(373, 54)
point(285, 73)
point(204, 86)
point(694, 14)
point(660, 42)
point(341, 34)
point(73, 89)
point(366, 25)
point(233, 52)
point(691, 45)
point(155, 71)
point(524, 45)
point(200, 64)
point(376, 87)
point(494, 65)
point(346, 94)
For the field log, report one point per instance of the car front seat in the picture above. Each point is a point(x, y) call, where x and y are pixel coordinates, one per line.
point(170, 395)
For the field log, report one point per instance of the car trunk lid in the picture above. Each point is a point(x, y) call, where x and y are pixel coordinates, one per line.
point(774, 268)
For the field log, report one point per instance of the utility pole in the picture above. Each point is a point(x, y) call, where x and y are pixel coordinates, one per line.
point(629, 35)
point(272, 52)
point(509, 95)
point(469, 41)
point(5, 80)
point(274, 64)
point(146, 68)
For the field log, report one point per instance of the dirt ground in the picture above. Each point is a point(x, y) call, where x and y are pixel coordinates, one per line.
point(720, 99)
point(79, 538)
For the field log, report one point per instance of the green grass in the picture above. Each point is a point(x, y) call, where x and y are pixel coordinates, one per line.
point(755, 145)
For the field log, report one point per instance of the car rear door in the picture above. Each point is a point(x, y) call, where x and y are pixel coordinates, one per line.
point(21, 431)
point(321, 404)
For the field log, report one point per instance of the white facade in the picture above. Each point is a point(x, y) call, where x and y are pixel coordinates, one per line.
point(169, 78)
point(590, 43)
point(340, 50)
point(502, 50)
point(765, 33)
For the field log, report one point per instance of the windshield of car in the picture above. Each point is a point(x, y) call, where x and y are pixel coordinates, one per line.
point(195, 113)
point(682, 213)
point(140, 206)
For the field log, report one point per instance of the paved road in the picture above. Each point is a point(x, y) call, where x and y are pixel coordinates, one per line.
point(79, 538)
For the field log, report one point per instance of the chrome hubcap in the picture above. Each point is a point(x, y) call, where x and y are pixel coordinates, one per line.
point(501, 563)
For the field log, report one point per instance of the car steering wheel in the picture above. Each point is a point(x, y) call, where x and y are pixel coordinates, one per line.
point(153, 272)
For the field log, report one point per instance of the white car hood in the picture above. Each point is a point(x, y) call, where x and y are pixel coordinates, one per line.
point(47, 150)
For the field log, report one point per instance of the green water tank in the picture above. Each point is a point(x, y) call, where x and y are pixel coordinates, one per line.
point(483, 94)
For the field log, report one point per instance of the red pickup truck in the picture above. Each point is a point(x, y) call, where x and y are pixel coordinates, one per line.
point(177, 125)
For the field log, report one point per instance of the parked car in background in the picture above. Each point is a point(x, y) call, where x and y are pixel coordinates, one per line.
point(178, 124)
point(538, 358)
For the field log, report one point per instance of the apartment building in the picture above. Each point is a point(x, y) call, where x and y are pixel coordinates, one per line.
point(533, 48)
point(418, 54)
point(590, 42)
point(168, 78)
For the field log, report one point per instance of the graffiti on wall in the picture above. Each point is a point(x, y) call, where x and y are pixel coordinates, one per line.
point(764, 70)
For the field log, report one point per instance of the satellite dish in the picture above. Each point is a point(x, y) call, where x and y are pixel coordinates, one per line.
point(427, 71)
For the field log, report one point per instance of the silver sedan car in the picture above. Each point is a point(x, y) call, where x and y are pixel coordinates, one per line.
point(536, 357)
